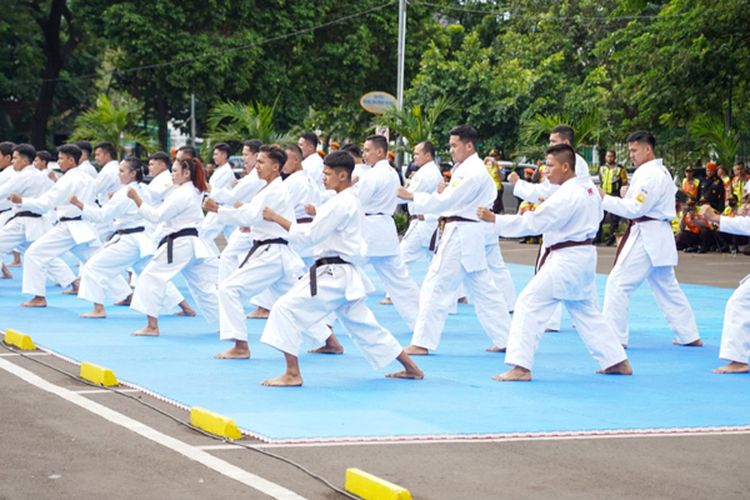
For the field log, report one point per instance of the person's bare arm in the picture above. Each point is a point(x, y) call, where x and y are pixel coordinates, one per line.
point(272, 216)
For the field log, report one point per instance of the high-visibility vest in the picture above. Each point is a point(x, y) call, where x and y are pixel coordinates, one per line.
point(738, 188)
point(690, 187)
point(611, 178)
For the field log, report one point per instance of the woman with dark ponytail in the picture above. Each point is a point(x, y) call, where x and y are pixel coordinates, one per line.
point(128, 245)
point(180, 250)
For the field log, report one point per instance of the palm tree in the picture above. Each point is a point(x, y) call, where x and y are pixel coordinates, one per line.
point(712, 133)
point(586, 128)
point(232, 121)
point(111, 123)
point(414, 123)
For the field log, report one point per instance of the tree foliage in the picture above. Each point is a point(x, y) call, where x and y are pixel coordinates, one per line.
point(234, 122)
point(110, 122)
point(414, 123)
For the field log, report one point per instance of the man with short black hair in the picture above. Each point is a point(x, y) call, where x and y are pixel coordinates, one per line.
point(336, 282)
point(460, 256)
point(161, 177)
point(85, 163)
point(71, 233)
point(647, 250)
point(270, 262)
point(569, 220)
point(222, 179)
point(312, 162)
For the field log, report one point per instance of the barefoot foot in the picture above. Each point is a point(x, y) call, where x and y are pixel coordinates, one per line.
point(694, 343)
point(332, 346)
point(35, 302)
point(94, 315)
point(733, 367)
point(146, 332)
point(415, 350)
point(515, 374)
point(126, 301)
point(621, 368)
point(408, 374)
point(6, 274)
point(386, 302)
point(259, 313)
point(285, 380)
point(234, 353)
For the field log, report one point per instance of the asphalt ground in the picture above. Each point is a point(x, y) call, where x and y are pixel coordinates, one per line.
point(52, 447)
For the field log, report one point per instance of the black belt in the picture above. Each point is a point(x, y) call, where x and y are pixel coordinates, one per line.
point(314, 271)
point(304, 220)
point(169, 240)
point(130, 230)
point(442, 221)
point(5, 210)
point(375, 213)
point(69, 219)
point(259, 243)
point(560, 246)
point(24, 213)
point(416, 217)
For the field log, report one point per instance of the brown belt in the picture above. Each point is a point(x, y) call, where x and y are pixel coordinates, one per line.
point(442, 221)
point(416, 217)
point(625, 235)
point(560, 246)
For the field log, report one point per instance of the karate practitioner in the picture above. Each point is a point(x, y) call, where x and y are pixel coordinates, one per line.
point(71, 233)
point(180, 250)
point(222, 179)
point(269, 262)
point(569, 220)
point(85, 162)
point(647, 250)
point(735, 335)
point(129, 244)
point(336, 282)
point(23, 227)
point(461, 252)
point(312, 162)
point(536, 193)
point(108, 178)
point(418, 240)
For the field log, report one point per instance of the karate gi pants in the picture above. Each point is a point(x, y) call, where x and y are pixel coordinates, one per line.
point(501, 274)
point(398, 285)
point(298, 310)
point(631, 270)
point(200, 274)
point(104, 272)
point(238, 244)
point(44, 252)
point(13, 237)
point(263, 271)
point(438, 297)
point(735, 335)
point(535, 305)
point(412, 246)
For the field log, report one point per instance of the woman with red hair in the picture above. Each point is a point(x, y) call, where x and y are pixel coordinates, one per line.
point(180, 249)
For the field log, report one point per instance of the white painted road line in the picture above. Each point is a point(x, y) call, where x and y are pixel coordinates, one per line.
point(247, 478)
point(103, 391)
point(15, 354)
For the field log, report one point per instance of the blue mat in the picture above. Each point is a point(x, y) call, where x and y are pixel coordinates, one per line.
point(343, 398)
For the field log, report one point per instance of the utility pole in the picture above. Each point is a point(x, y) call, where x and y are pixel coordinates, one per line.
point(400, 72)
point(192, 120)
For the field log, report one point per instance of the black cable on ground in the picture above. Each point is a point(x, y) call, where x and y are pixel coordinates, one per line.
point(138, 399)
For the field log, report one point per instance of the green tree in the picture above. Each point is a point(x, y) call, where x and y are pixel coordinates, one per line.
point(111, 123)
point(415, 123)
point(712, 133)
point(235, 122)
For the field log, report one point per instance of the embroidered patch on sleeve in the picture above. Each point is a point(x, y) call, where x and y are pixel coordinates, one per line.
point(640, 197)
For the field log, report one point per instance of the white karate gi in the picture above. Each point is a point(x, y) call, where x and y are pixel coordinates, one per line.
point(192, 257)
point(211, 228)
point(104, 270)
point(359, 169)
point(271, 265)
point(571, 213)
point(18, 231)
point(313, 166)
point(416, 241)
point(6, 207)
point(239, 241)
point(735, 334)
point(87, 167)
point(536, 193)
point(461, 257)
point(377, 193)
point(342, 288)
point(648, 254)
point(78, 236)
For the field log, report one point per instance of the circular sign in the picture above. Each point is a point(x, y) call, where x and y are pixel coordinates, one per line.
point(377, 102)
